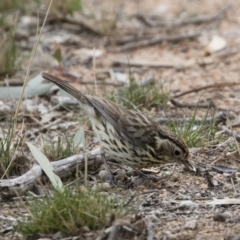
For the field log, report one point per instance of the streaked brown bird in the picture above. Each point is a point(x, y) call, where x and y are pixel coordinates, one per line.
point(128, 136)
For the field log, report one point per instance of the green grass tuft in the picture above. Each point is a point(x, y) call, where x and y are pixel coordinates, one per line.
point(69, 212)
point(141, 96)
point(63, 7)
point(8, 54)
point(11, 4)
point(196, 135)
point(8, 146)
point(62, 148)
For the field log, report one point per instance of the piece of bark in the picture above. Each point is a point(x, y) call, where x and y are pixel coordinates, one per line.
point(64, 167)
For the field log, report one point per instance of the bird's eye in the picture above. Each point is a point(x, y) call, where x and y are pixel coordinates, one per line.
point(177, 152)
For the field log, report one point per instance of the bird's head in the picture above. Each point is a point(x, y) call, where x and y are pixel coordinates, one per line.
point(173, 149)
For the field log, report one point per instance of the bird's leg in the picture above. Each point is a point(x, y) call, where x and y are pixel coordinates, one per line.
point(143, 175)
point(112, 180)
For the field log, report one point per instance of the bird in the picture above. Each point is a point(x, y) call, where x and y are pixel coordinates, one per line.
point(127, 136)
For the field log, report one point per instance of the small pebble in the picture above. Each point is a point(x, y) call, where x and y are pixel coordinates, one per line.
point(191, 224)
point(212, 194)
point(219, 217)
point(166, 203)
point(198, 195)
point(106, 185)
point(154, 219)
point(182, 190)
point(183, 197)
point(101, 186)
point(158, 213)
point(103, 175)
point(228, 214)
point(203, 193)
point(86, 229)
point(214, 182)
point(188, 204)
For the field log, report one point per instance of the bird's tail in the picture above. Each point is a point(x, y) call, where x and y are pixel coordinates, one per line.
point(66, 87)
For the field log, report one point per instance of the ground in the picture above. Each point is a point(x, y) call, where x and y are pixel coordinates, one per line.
point(180, 205)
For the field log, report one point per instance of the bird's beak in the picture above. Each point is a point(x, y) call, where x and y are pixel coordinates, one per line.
point(189, 165)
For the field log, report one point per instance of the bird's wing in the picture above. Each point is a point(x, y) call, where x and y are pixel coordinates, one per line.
point(129, 125)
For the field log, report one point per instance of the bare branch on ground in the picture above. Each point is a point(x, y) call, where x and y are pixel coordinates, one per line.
point(215, 85)
point(210, 104)
point(151, 21)
point(63, 168)
point(155, 40)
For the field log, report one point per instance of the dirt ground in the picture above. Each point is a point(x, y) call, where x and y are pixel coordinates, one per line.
point(181, 205)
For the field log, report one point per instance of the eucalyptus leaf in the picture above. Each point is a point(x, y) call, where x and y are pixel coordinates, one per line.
point(79, 138)
point(35, 87)
point(46, 167)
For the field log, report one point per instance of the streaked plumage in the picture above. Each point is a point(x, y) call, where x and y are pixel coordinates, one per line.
point(128, 136)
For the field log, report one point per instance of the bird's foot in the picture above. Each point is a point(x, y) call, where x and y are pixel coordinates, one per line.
point(111, 177)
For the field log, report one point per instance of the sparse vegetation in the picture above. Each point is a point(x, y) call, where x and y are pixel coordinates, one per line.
point(196, 135)
point(12, 4)
point(8, 21)
point(8, 54)
point(141, 96)
point(159, 46)
point(8, 147)
point(63, 147)
point(63, 7)
point(69, 212)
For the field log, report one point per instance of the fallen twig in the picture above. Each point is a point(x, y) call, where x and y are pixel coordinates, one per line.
point(63, 168)
point(150, 231)
point(229, 132)
point(114, 234)
point(154, 64)
point(203, 19)
point(219, 118)
point(216, 168)
point(141, 63)
point(215, 85)
point(227, 52)
point(79, 21)
point(149, 20)
point(226, 201)
point(126, 203)
point(210, 104)
point(155, 40)
point(153, 21)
